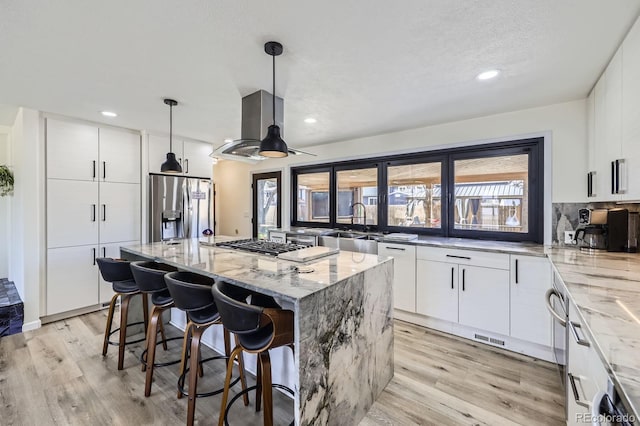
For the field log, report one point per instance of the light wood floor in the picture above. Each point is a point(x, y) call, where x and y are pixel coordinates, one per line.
point(56, 375)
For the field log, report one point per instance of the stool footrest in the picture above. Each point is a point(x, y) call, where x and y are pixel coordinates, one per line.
point(143, 355)
point(203, 394)
point(128, 342)
point(249, 389)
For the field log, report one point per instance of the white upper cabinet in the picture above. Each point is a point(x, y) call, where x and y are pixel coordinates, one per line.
point(530, 279)
point(119, 213)
point(630, 178)
point(72, 213)
point(404, 274)
point(193, 156)
point(119, 156)
point(72, 150)
point(196, 161)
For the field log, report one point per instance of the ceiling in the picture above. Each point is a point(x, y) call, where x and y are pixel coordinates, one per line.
point(358, 67)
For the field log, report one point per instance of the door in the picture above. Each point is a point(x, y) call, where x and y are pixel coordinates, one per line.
point(530, 279)
point(119, 212)
point(72, 278)
point(437, 289)
point(72, 150)
point(197, 162)
point(72, 213)
point(119, 156)
point(198, 214)
point(484, 298)
point(404, 274)
point(267, 203)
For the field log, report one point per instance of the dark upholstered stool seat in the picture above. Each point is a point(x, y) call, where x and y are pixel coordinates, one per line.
point(118, 273)
point(257, 339)
point(192, 294)
point(149, 277)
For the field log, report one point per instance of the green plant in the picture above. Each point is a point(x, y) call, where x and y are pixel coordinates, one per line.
point(6, 181)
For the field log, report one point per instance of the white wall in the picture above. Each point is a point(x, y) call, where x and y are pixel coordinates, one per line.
point(233, 198)
point(5, 205)
point(26, 257)
point(564, 124)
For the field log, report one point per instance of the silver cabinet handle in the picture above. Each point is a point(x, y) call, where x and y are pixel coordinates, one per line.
point(574, 389)
point(93, 212)
point(548, 295)
point(574, 330)
point(395, 248)
point(459, 257)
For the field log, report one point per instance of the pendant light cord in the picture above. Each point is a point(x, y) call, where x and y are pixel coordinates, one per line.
point(274, 87)
point(170, 128)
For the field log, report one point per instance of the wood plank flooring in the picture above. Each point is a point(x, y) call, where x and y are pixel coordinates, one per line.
point(56, 375)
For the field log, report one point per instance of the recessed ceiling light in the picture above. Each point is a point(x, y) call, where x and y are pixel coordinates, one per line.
point(227, 140)
point(488, 75)
point(310, 120)
point(108, 114)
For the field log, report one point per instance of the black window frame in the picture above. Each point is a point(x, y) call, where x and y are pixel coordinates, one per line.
point(255, 177)
point(534, 147)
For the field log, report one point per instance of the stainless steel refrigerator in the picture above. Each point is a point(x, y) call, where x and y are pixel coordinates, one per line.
point(180, 207)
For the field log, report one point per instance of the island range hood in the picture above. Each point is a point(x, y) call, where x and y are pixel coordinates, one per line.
point(257, 116)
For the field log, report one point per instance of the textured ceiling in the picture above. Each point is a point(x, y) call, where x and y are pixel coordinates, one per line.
point(359, 67)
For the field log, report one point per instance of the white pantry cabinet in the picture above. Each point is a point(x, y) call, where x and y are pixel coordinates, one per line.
point(72, 150)
point(119, 156)
point(484, 298)
point(630, 151)
point(193, 156)
point(72, 277)
point(530, 278)
point(72, 213)
point(119, 212)
point(437, 289)
point(404, 274)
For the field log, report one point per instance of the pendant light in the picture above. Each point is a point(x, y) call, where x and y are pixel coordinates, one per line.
point(272, 145)
point(171, 165)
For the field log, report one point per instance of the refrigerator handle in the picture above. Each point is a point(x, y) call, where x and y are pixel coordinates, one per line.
point(186, 206)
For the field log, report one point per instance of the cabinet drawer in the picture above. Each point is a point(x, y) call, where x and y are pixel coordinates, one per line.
point(464, 257)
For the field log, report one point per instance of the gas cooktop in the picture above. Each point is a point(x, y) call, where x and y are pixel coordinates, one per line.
point(261, 246)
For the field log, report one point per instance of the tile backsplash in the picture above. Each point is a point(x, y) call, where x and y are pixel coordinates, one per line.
point(565, 216)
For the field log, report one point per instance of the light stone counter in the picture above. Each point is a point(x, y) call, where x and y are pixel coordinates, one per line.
point(343, 319)
point(606, 289)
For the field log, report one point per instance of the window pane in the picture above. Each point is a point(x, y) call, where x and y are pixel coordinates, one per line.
point(492, 194)
point(313, 197)
point(414, 195)
point(358, 186)
point(267, 209)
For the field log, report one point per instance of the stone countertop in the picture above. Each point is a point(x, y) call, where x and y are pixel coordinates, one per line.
point(529, 249)
point(283, 279)
point(606, 289)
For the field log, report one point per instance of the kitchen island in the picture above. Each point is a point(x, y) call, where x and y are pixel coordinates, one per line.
point(343, 318)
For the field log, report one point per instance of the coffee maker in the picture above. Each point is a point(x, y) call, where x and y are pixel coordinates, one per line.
point(591, 232)
point(622, 230)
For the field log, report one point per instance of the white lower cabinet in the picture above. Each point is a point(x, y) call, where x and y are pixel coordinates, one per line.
point(404, 274)
point(484, 298)
point(437, 289)
point(530, 279)
point(72, 278)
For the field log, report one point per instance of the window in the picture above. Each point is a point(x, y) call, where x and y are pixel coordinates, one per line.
point(491, 191)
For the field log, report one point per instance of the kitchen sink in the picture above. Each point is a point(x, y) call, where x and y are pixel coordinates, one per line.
point(350, 241)
point(347, 234)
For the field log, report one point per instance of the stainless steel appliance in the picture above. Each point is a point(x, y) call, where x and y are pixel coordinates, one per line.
point(180, 207)
point(557, 304)
point(622, 231)
point(591, 232)
point(592, 217)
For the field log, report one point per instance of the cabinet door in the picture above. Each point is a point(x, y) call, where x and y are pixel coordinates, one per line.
point(105, 291)
point(602, 177)
point(631, 114)
point(484, 298)
point(72, 278)
point(197, 162)
point(158, 149)
point(437, 289)
point(72, 150)
point(72, 213)
point(119, 156)
point(591, 136)
point(530, 279)
point(119, 212)
point(404, 274)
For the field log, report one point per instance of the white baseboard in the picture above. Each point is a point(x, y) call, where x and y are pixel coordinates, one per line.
point(33, 325)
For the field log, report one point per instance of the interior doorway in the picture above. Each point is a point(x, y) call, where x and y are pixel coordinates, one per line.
point(267, 203)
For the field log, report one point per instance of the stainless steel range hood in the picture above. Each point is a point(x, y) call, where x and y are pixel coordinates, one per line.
point(256, 118)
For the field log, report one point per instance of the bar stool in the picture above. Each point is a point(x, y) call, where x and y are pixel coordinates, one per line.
point(258, 329)
point(192, 294)
point(118, 273)
point(150, 279)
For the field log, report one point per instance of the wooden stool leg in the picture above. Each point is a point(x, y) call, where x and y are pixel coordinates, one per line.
point(112, 306)
point(265, 362)
point(227, 342)
point(162, 335)
point(146, 347)
point(200, 369)
point(145, 310)
point(258, 383)
point(243, 380)
point(152, 337)
point(124, 311)
point(185, 353)
point(193, 373)
point(227, 382)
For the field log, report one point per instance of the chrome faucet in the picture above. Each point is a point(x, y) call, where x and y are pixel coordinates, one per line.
point(364, 211)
